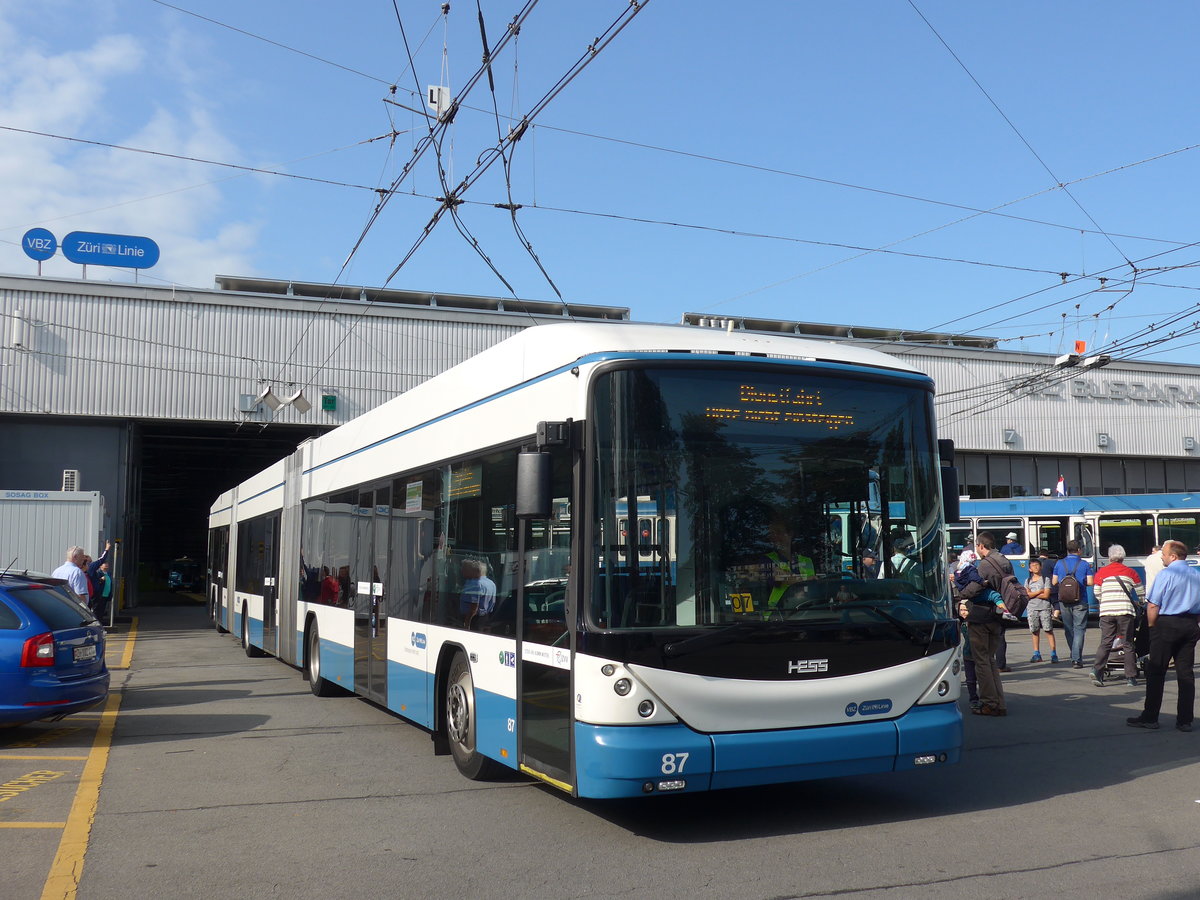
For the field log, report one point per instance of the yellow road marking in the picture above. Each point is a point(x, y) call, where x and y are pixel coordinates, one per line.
point(67, 868)
point(127, 654)
point(14, 756)
point(33, 824)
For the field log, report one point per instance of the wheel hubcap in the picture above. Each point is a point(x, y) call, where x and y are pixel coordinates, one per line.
point(458, 714)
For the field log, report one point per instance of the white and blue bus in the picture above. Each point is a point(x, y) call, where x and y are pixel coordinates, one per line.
point(1138, 522)
point(615, 664)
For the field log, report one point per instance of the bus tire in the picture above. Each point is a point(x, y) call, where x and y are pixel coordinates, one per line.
point(321, 687)
point(460, 723)
point(250, 649)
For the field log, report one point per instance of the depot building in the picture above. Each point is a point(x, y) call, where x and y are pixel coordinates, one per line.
point(160, 398)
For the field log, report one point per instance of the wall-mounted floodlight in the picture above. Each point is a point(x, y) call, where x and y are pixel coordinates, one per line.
point(267, 396)
point(298, 402)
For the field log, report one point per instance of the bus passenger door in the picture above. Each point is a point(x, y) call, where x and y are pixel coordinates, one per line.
point(1083, 532)
point(1049, 536)
point(366, 585)
point(543, 656)
point(218, 568)
point(271, 584)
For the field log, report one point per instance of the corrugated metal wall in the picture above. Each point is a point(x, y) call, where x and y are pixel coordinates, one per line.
point(1143, 409)
point(93, 348)
point(156, 353)
point(37, 527)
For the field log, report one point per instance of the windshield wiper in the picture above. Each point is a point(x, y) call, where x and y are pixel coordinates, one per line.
point(725, 635)
point(903, 627)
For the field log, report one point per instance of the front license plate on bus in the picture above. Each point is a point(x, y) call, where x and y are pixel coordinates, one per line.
point(85, 653)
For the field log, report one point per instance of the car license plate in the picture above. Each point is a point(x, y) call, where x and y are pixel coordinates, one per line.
point(82, 654)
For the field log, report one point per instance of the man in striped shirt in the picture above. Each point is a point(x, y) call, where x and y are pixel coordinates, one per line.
point(1117, 588)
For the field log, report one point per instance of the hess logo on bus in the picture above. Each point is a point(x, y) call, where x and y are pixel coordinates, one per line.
point(807, 666)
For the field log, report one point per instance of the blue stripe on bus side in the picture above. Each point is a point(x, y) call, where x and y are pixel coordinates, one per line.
point(495, 727)
point(408, 693)
point(337, 663)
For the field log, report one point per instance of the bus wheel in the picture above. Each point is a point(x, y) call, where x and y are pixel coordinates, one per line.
point(460, 724)
point(250, 649)
point(319, 686)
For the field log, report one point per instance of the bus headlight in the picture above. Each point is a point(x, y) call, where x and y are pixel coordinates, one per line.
point(608, 669)
point(943, 688)
point(646, 709)
point(622, 686)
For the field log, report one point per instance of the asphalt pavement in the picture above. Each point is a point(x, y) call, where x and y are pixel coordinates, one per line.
point(214, 775)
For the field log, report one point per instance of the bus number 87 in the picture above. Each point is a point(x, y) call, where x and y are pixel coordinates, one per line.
point(673, 763)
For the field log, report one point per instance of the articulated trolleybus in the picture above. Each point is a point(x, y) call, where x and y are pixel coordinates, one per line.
point(738, 640)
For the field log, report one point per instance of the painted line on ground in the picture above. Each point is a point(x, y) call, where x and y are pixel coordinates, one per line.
point(67, 869)
point(63, 881)
point(127, 653)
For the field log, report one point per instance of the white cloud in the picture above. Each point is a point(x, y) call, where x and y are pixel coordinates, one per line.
point(113, 88)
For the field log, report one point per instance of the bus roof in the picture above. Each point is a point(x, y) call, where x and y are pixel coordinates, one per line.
point(542, 349)
point(1067, 506)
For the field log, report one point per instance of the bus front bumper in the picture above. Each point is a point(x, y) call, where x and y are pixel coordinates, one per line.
point(631, 761)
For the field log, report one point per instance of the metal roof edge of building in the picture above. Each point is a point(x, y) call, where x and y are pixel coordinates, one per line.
point(398, 297)
point(358, 300)
point(824, 331)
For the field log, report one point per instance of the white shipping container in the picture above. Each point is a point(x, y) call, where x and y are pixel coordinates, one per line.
point(37, 527)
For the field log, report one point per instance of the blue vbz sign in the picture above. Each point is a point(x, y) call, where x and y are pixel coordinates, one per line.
point(121, 250)
point(39, 244)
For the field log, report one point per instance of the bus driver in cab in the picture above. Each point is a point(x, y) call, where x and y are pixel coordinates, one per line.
point(775, 570)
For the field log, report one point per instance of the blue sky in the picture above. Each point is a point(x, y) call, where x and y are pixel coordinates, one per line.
point(811, 161)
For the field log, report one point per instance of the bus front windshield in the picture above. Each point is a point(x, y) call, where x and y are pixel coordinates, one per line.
point(725, 496)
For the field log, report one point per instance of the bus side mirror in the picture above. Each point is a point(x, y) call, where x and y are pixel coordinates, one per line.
point(533, 485)
point(950, 493)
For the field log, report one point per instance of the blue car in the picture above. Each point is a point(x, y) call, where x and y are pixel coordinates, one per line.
point(51, 652)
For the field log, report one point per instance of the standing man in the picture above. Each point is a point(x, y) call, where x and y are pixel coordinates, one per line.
point(1173, 613)
point(1154, 565)
point(1117, 589)
point(73, 575)
point(985, 628)
point(1074, 608)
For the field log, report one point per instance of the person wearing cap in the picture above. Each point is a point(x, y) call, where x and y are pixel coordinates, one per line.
point(870, 563)
point(1013, 547)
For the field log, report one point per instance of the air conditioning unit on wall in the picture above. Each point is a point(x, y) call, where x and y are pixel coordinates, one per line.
point(70, 480)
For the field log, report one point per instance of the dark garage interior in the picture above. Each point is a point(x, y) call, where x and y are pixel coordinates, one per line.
point(181, 468)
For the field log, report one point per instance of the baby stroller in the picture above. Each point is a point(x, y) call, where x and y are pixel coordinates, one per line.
point(1141, 645)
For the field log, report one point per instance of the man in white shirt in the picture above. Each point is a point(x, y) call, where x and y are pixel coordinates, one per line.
point(72, 574)
point(1154, 565)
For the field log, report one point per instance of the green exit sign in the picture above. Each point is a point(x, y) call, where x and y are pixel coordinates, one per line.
point(329, 403)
